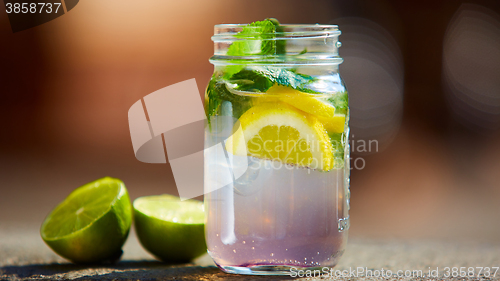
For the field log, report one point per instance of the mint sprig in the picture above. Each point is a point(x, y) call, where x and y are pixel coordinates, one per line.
point(250, 81)
point(251, 39)
point(217, 93)
point(340, 101)
point(212, 102)
point(260, 79)
point(257, 38)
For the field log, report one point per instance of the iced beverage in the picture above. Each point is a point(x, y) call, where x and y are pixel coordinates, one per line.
point(279, 108)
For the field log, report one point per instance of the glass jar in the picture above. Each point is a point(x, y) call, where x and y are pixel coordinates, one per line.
point(277, 186)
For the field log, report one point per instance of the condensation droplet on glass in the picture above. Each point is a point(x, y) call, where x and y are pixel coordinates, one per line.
point(338, 44)
point(272, 254)
point(253, 248)
point(234, 251)
point(244, 242)
point(318, 253)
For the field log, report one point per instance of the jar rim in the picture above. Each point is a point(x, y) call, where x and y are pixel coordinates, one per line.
point(293, 25)
point(223, 32)
point(320, 52)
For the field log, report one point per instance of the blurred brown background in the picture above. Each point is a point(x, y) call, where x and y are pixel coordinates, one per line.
point(424, 80)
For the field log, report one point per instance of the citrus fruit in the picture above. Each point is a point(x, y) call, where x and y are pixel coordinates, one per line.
point(303, 101)
point(334, 124)
point(325, 112)
point(91, 224)
point(170, 229)
point(278, 131)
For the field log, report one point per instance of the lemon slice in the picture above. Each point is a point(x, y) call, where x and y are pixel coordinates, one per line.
point(335, 124)
point(278, 131)
point(303, 101)
point(325, 112)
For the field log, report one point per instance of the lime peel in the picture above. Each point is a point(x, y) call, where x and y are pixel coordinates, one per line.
point(170, 229)
point(91, 224)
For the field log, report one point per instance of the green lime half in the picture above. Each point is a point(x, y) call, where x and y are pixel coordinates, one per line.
point(91, 224)
point(170, 229)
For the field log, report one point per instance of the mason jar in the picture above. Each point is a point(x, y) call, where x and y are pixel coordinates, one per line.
point(277, 171)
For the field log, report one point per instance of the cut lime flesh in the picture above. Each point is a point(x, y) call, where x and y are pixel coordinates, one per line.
point(170, 208)
point(81, 208)
point(170, 229)
point(92, 223)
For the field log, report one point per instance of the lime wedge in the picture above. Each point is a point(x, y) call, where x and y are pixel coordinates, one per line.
point(91, 224)
point(170, 229)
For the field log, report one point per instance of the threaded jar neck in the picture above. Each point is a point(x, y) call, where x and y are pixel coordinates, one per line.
point(291, 44)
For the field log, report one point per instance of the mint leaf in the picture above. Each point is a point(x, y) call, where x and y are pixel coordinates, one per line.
point(280, 47)
point(302, 52)
point(256, 38)
point(251, 39)
point(273, 46)
point(250, 81)
point(212, 103)
point(262, 78)
point(340, 102)
point(336, 140)
point(286, 77)
point(217, 93)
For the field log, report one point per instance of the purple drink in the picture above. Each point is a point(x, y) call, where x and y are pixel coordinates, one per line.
point(281, 217)
point(276, 157)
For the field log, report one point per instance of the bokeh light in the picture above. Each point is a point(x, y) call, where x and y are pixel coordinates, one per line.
point(373, 71)
point(471, 67)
